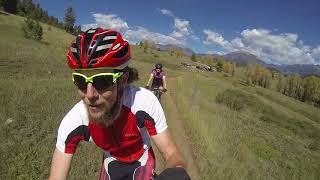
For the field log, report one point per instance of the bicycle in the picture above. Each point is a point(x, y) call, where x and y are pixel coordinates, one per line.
point(157, 91)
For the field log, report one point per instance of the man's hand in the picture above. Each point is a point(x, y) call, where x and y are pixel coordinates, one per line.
point(176, 173)
point(168, 149)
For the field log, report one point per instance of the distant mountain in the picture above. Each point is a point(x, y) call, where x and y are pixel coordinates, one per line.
point(216, 56)
point(242, 58)
point(167, 47)
point(302, 69)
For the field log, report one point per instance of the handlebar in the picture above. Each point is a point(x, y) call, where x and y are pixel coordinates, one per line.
point(176, 173)
point(156, 88)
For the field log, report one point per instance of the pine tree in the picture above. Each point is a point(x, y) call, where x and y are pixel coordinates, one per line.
point(69, 19)
point(193, 58)
point(2, 4)
point(145, 45)
point(10, 6)
point(141, 44)
point(220, 65)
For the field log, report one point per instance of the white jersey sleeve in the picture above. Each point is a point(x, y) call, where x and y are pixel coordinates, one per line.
point(147, 108)
point(73, 128)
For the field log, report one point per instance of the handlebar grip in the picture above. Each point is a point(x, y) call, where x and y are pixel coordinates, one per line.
point(177, 173)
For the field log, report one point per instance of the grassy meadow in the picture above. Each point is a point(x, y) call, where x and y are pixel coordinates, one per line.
point(234, 131)
point(249, 133)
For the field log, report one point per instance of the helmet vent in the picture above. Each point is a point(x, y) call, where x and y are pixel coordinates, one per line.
point(88, 37)
point(122, 52)
point(98, 54)
point(75, 50)
point(92, 61)
point(116, 46)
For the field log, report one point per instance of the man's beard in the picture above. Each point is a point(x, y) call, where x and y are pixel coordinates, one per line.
point(107, 117)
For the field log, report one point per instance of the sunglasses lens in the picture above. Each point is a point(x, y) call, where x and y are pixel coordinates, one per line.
point(80, 82)
point(102, 82)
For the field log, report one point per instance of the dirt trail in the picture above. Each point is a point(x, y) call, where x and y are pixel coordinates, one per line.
point(176, 125)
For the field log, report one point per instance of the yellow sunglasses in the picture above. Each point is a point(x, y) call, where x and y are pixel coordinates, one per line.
point(99, 81)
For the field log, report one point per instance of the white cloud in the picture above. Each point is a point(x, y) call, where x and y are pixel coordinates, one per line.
point(166, 12)
point(282, 48)
point(140, 33)
point(88, 26)
point(214, 38)
point(181, 27)
point(108, 21)
point(215, 52)
point(316, 54)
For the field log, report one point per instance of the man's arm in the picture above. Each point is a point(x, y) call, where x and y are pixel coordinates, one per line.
point(60, 165)
point(150, 79)
point(164, 82)
point(168, 149)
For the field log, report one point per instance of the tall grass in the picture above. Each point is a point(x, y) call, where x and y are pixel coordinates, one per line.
point(261, 140)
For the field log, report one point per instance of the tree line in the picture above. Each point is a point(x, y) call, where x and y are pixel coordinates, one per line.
point(305, 89)
point(257, 74)
point(28, 9)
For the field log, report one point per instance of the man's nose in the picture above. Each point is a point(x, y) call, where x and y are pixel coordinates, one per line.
point(92, 93)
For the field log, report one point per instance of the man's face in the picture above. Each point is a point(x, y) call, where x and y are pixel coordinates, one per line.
point(158, 70)
point(101, 105)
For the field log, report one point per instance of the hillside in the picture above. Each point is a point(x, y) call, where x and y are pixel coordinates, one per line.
point(242, 58)
point(226, 129)
point(168, 47)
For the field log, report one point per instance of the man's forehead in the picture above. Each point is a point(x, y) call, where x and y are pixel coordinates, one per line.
point(89, 72)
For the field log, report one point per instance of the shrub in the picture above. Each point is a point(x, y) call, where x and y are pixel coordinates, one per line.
point(233, 99)
point(219, 65)
point(32, 29)
point(193, 58)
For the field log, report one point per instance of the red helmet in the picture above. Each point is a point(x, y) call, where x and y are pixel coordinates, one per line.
point(99, 48)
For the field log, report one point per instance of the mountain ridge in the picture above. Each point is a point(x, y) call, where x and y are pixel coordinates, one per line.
point(243, 58)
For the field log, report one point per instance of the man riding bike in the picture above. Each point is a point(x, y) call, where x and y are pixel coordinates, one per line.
point(117, 117)
point(158, 79)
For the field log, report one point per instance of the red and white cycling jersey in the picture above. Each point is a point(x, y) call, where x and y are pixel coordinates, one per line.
point(128, 138)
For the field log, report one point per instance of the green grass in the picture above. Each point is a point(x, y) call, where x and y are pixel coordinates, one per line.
point(270, 137)
point(265, 139)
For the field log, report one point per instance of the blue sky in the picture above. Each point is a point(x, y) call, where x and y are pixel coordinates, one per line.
point(277, 31)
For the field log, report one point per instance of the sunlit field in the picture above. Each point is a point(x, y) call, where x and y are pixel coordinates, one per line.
point(234, 131)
